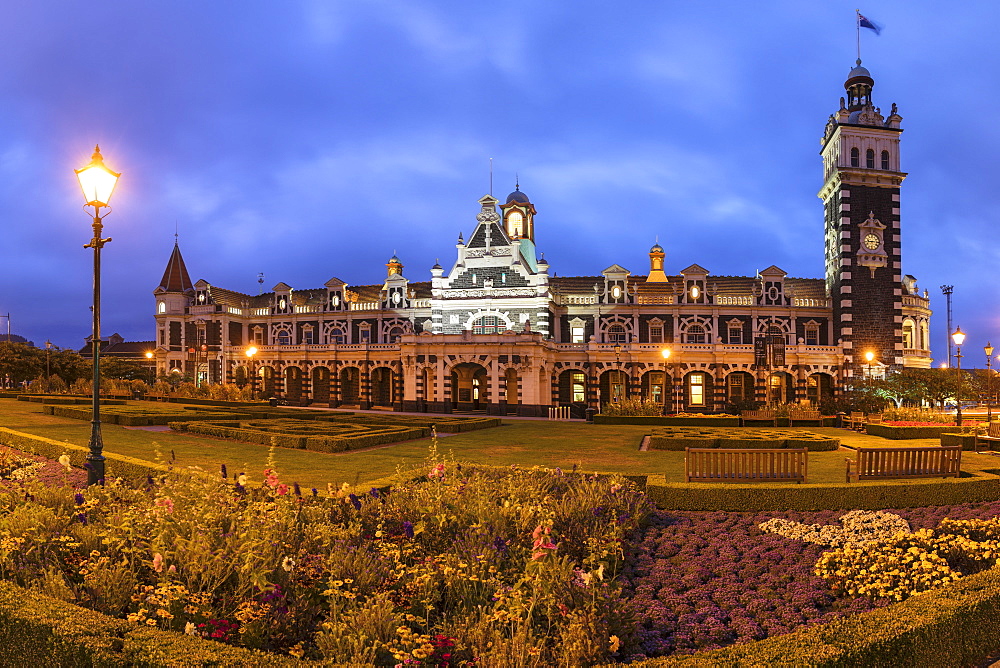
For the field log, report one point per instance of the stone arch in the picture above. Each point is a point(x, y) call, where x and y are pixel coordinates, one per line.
point(469, 386)
point(320, 377)
point(350, 385)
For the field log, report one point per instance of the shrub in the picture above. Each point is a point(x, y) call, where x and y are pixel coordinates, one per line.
point(633, 407)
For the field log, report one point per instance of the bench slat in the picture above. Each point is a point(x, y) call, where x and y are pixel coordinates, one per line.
point(722, 465)
point(928, 462)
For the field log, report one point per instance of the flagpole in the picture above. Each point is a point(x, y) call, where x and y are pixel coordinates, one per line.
point(857, 29)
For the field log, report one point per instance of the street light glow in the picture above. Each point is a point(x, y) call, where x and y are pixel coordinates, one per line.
point(97, 181)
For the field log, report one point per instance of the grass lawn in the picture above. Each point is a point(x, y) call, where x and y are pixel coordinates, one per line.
point(603, 448)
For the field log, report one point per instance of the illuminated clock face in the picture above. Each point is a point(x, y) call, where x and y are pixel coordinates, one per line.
point(395, 297)
point(282, 304)
point(872, 241)
point(616, 292)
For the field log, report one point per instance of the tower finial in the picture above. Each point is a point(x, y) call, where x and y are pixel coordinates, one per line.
point(517, 182)
point(491, 177)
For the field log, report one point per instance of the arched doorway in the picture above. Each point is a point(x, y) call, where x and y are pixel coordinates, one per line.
point(780, 389)
point(267, 382)
point(573, 391)
point(350, 385)
point(654, 387)
point(819, 388)
point(511, 380)
point(613, 386)
point(698, 391)
point(321, 384)
point(382, 386)
point(240, 376)
point(293, 384)
point(469, 387)
point(740, 390)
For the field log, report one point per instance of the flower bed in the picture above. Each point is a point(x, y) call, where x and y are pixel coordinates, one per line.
point(678, 438)
point(701, 580)
point(438, 572)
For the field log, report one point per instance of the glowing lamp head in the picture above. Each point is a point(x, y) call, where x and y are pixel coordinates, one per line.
point(869, 356)
point(958, 337)
point(666, 353)
point(149, 355)
point(97, 181)
point(251, 351)
point(988, 349)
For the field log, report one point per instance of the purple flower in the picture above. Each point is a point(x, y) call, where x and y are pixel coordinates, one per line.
point(375, 493)
point(355, 501)
point(408, 529)
point(224, 475)
point(79, 499)
point(82, 519)
point(315, 493)
point(296, 489)
point(240, 489)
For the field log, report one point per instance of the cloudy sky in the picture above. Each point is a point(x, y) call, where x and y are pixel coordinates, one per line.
point(311, 139)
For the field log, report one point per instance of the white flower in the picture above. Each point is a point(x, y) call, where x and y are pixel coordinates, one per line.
point(242, 480)
point(64, 460)
point(189, 629)
point(288, 564)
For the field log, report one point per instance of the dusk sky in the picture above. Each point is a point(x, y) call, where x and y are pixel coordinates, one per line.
point(306, 140)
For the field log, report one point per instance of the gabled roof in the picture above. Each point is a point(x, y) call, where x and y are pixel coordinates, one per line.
point(615, 269)
point(175, 278)
point(694, 269)
point(773, 271)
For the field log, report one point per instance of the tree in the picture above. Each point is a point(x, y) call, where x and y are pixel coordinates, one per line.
point(125, 369)
point(901, 387)
point(20, 362)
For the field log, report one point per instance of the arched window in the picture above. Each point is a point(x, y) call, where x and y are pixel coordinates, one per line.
point(617, 334)
point(870, 159)
point(909, 341)
point(394, 334)
point(515, 224)
point(161, 307)
point(337, 336)
point(488, 324)
point(855, 157)
point(885, 159)
point(695, 334)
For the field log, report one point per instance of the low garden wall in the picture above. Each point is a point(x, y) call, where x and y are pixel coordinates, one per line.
point(901, 433)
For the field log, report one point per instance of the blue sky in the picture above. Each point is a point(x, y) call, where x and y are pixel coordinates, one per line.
point(306, 140)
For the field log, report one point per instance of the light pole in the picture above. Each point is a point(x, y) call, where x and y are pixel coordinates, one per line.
point(250, 352)
point(959, 338)
point(617, 393)
point(152, 366)
point(869, 356)
point(666, 356)
point(988, 349)
point(48, 365)
point(97, 183)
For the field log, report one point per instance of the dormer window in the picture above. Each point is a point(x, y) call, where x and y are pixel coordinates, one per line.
point(201, 297)
point(855, 157)
point(885, 160)
point(161, 307)
point(870, 159)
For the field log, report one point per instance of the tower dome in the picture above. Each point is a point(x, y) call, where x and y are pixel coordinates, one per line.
point(517, 196)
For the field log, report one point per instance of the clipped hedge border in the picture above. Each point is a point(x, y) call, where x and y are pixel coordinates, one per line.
point(983, 486)
point(901, 433)
point(39, 630)
point(967, 441)
point(667, 421)
point(445, 423)
point(950, 626)
point(678, 439)
point(236, 430)
point(138, 416)
point(119, 466)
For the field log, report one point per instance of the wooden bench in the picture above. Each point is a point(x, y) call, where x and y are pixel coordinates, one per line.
point(763, 415)
point(718, 465)
point(886, 463)
point(992, 435)
point(157, 396)
point(855, 420)
point(800, 415)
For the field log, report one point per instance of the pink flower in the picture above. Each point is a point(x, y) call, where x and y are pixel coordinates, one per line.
point(165, 502)
point(541, 543)
point(158, 562)
point(271, 479)
point(282, 489)
point(436, 472)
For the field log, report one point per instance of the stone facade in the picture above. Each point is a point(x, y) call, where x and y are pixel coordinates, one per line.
point(497, 333)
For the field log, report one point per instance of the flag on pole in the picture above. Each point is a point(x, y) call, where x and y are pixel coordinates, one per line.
point(865, 22)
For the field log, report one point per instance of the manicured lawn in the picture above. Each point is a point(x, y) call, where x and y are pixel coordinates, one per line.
point(602, 448)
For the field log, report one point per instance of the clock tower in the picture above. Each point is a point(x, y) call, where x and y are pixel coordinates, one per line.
point(860, 193)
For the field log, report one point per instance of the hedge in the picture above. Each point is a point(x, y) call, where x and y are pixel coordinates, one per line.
point(138, 416)
point(967, 441)
point(900, 433)
point(983, 486)
point(116, 465)
point(950, 626)
point(39, 630)
point(668, 421)
point(444, 423)
point(310, 436)
point(678, 438)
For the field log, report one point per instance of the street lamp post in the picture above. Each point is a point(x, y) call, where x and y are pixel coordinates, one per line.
point(869, 356)
point(666, 356)
point(618, 375)
point(152, 366)
point(959, 338)
point(988, 349)
point(98, 183)
point(250, 352)
point(48, 365)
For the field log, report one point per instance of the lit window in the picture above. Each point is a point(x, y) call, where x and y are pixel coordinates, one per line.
point(577, 334)
point(161, 307)
point(855, 157)
point(870, 159)
point(697, 389)
point(695, 292)
point(908, 331)
point(578, 386)
point(885, 159)
point(515, 224)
